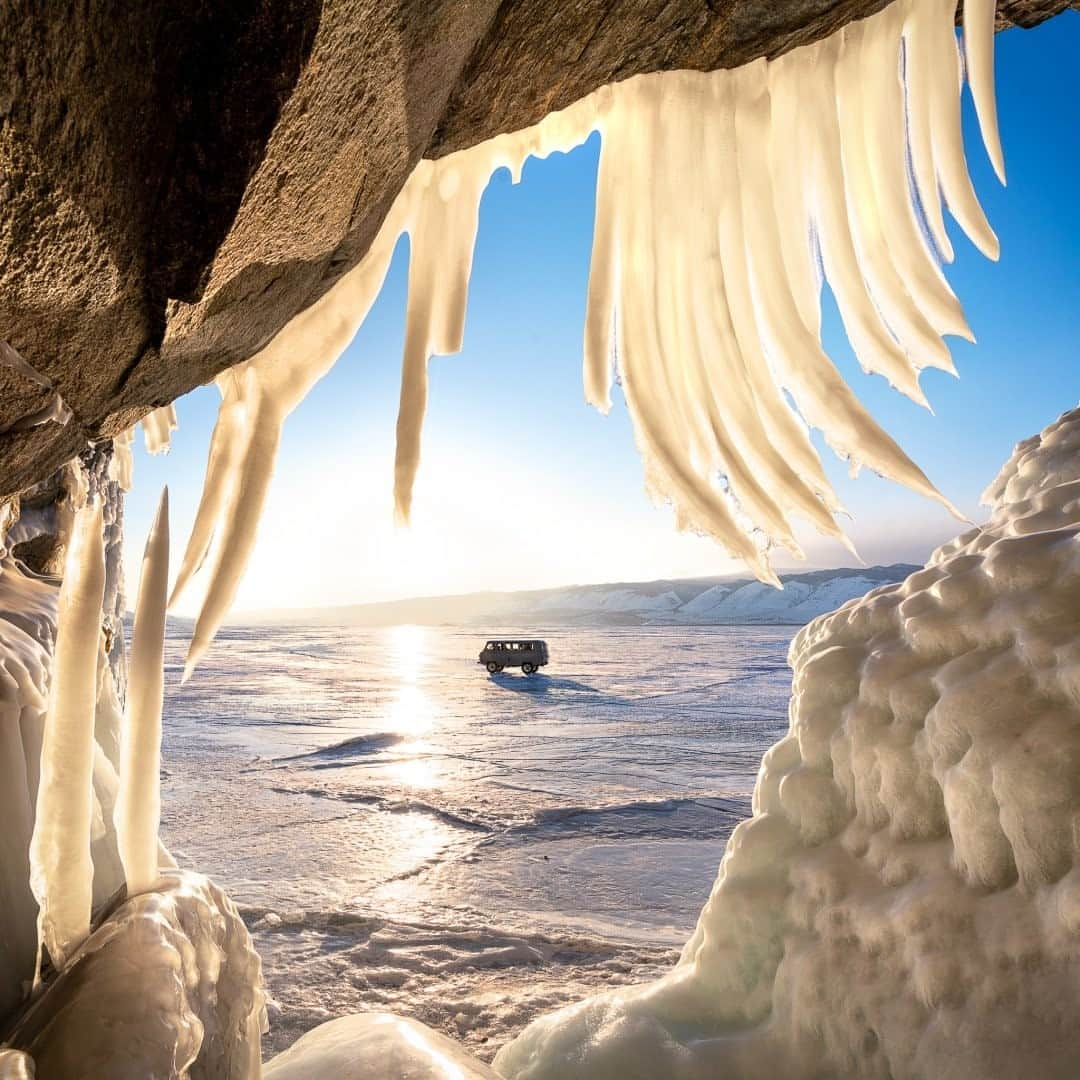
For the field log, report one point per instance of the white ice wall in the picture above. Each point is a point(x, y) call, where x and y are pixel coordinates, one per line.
point(905, 901)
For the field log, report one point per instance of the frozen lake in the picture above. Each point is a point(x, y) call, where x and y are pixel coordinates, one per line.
point(402, 830)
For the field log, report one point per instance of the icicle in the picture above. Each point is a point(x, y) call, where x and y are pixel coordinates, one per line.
point(122, 463)
point(138, 806)
point(56, 410)
point(158, 427)
point(979, 54)
point(257, 396)
point(61, 872)
point(942, 59)
point(442, 235)
point(703, 282)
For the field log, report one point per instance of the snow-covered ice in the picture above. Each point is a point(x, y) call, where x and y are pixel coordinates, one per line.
point(405, 832)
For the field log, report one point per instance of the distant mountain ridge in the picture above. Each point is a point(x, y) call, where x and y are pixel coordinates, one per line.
point(711, 601)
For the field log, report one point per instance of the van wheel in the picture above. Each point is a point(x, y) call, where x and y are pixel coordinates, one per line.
point(528, 668)
point(493, 667)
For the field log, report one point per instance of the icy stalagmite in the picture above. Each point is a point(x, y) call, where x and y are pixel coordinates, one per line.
point(61, 872)
point(138, 805)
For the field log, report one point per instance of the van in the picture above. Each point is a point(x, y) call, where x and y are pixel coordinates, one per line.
point(527, 655)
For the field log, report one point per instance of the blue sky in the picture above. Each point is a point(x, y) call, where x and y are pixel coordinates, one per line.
point(523, 486)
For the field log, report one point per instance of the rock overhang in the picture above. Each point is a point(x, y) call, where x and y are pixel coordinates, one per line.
point(178, 185)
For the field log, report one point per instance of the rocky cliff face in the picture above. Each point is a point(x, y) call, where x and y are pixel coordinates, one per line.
point(177, 182)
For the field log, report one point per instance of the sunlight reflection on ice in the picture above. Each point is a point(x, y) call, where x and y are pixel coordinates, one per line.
point(412, 712)
point(421, 771)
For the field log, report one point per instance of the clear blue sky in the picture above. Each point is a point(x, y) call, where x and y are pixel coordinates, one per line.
point(523, 486)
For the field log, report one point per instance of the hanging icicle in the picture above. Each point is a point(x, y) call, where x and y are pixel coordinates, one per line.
point(715, 193)
point(158, 427)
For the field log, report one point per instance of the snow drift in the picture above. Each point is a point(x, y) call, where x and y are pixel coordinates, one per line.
point(722, 200)
point(905, 901)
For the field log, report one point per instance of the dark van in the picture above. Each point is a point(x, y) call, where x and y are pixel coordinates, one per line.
point(527, 655)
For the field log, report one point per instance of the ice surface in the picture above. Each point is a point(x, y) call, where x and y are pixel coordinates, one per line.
point(712, 190)
point(404, 832)
point(904, 901)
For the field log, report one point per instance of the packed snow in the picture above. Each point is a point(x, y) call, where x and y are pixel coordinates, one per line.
point(717, 194)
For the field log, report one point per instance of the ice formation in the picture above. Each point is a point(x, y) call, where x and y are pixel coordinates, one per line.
point(376, 1044)
point(158, 427)
point(61, 871)
point(194, 1010)
point(138, 804)
point(122, 462)
point(32, 689)
point(55, 410)
point(716, 194)
point(905, 900)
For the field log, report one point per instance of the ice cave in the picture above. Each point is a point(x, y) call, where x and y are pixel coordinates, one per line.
point(193, 195)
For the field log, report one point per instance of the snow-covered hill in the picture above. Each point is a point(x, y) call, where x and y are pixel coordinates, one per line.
point(696, 601)
point(709, 602)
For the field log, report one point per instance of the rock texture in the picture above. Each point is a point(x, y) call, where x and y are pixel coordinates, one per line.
point(177, 181)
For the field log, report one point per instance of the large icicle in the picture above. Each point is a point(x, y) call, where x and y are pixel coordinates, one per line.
point(714, 190)
point(61, 871)
point(257, 396)
point(138, 806)
point(979, 54)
